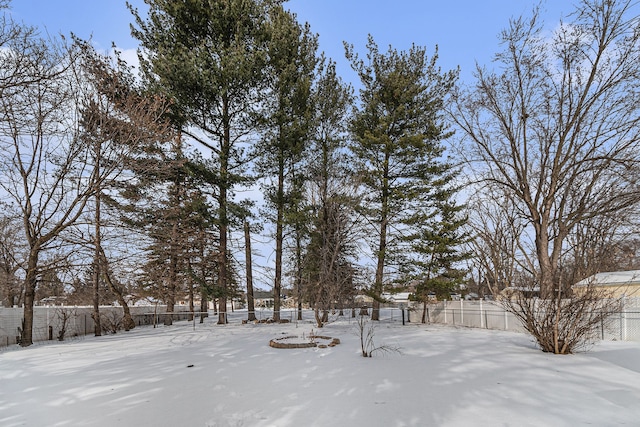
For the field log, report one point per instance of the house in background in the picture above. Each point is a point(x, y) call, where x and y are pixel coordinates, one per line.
point(396, 298)
point(619, 283)
point(263, 299)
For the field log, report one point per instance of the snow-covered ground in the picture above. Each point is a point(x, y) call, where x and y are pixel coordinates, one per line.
point(229, 376)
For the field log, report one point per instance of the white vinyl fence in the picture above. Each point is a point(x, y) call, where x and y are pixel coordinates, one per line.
point(49, 321)
point(624, 326)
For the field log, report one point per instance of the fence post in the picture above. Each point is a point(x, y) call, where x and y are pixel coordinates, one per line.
point(444, 308)
point(506, 321)
point(624, 316)
point(461, 311)
point(486, 321)
point(481, 325)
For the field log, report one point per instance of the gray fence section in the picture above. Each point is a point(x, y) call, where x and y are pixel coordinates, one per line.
point(624, 325)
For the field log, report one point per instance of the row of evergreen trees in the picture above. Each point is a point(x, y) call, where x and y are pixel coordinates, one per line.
point(232, 97)
point(247, 85)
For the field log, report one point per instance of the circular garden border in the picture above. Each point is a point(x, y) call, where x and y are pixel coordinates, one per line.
point(276, 342)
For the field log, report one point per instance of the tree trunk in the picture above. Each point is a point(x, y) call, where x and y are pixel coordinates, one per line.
point(251, 311)
point(382, 246)
point(277, 285)
point(377, 287)
point(97, 326)
point(316, 313)
point(26, 335)
point(173, 279)
point(127, 320)
point(546, 275)
point(204, 306)
point(225, 151)
point(222, 279)
point(424, 311)
point(299, 261)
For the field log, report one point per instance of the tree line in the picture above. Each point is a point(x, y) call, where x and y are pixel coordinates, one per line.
point(116, 182)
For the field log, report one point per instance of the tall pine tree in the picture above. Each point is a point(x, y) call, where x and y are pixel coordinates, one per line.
point(291, 66)
point(438, 246)
point(209, 57)
point(397, 130)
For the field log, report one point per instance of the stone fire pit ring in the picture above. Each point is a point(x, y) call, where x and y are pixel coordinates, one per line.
point(295, 341)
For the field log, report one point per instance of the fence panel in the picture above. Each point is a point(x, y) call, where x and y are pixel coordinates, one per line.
point(10, 322)
point(49, 321)
point(78, 321)
point(491, 315)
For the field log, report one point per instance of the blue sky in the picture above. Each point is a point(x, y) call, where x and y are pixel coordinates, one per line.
point(465, 31)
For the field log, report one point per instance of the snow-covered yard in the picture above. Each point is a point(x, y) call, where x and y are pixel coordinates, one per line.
point(229, 376)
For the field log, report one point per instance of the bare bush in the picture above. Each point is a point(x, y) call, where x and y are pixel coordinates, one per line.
point(112, 321)
point(64, 316)
point(563, 324)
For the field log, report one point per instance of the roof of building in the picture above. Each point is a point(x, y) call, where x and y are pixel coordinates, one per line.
point(260, 294)
point(399, 296)
point(612, 278)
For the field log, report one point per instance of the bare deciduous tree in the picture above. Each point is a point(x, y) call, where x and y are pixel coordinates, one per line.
point(44, 168)
point(328, 273)
point(558, 128)
point(555, 137)
point(12, 255)
point(48, 171)
point(604, 243)
point(498, 233)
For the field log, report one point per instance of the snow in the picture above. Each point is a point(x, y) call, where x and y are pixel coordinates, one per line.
point(227, 375)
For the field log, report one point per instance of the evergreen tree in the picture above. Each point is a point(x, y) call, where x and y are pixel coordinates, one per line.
point(118, 121)
point(438, 247)
point(327, 274)
point(201, 254)
point(397, 130)
point(162, 211)
point(291, 66)
point(208, 57)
